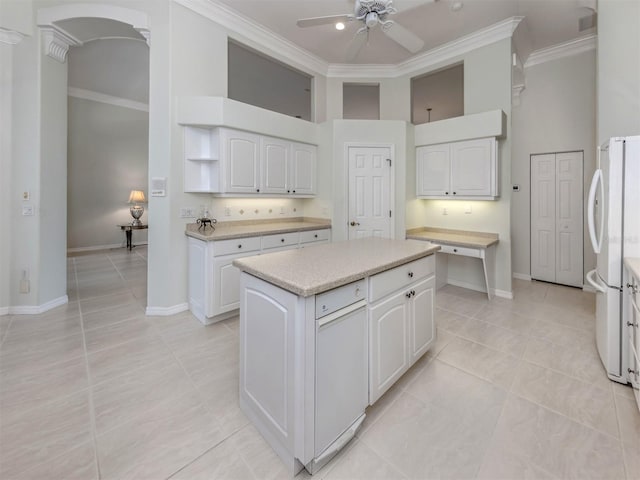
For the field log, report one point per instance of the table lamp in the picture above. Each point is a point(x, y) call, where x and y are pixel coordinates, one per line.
point(135, 198)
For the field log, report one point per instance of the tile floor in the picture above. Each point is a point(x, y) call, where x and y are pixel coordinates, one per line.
point(512, 389)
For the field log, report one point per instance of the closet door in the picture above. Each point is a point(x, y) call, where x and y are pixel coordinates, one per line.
point(543, 217)
point(557, 218)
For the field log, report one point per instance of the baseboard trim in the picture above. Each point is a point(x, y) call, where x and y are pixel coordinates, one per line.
point(477, 288)
point(521, 276)
point(111, 246)
point(36, 309)
point(4, 311)
point(166, 311)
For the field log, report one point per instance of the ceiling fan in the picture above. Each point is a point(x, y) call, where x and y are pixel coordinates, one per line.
point(370, 13)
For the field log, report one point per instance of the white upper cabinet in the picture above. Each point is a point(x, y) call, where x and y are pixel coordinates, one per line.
point(241, 156)
point(459, 170)
point(276, 157)
point(302, 174)
point(226, 161)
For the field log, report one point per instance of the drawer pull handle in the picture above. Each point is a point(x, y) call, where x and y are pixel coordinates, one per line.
point(632, 324)
point(410, 274)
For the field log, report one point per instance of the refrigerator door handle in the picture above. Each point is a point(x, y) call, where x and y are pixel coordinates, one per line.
point(596, 182)
point(594, 283)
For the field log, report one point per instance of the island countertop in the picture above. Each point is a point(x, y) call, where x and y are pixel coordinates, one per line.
point(313, 270)
point(461, 238)
point(248, 228)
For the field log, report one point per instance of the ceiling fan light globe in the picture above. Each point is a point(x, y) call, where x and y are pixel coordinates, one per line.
point(371, 20)
point(339, 26)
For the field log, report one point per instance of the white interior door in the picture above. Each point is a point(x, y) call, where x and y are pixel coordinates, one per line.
point(369, 192)
point(569, 219)
point(557, 218)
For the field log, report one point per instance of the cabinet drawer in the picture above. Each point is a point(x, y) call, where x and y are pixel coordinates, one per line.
point(388, 282)
point(236, 245)
point(467, 252)
point(280, 240)
point(314, 235)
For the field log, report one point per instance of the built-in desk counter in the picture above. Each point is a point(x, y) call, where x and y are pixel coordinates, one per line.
point(466, 243)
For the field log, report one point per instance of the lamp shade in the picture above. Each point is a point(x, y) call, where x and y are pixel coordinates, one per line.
point(136, 196)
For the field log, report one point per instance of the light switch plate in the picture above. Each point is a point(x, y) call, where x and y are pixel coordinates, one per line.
point(27, 210)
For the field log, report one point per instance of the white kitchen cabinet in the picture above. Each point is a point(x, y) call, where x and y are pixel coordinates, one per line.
point(233, 162)
point(276, 160)
point(241, 154)
point(401, 322)
point(302, 174)
point(631, 306)
point(214, 283)
point(460, 170)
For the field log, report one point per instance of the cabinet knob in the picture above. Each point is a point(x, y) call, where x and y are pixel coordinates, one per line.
point(240, 245)
point(413, 292)
point(288, 191)
point(632, 324)
point(315, 236)
point(282, 240)
point(408, 294)
point(294, 191)
point(353, 223)
point(258, 190)
point(410, 274)
point(455, 250)
point(446, 193)
point(454, 193)
point(632, 371)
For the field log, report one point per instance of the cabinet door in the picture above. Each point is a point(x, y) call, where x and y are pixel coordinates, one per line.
point(275, 165)
point(422, 331)
point(472, 167)
point(226, 285)
point(199, 281)
point(433, 170)
point(241, 157)
point(303, 169)
point(388, 348)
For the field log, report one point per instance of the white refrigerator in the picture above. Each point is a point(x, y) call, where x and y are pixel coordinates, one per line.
point(613, 215)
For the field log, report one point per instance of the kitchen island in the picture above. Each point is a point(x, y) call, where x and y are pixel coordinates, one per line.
point(324, 332)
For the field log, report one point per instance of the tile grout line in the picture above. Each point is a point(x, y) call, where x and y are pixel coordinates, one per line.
point(92, 415)
point(621, 440)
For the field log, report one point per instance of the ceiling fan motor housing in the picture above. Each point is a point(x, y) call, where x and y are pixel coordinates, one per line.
point(364, 8)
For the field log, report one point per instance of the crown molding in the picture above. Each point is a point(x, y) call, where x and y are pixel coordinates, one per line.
point(562, 50)
point(108, 99)
point(239, 24)
point(486, 36)
point(56, 43)
point(10, 37)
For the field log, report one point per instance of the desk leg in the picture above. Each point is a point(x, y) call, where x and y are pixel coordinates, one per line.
point(129, 233)
point(489, 267)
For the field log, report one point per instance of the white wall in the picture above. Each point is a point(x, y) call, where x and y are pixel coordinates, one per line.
point(6, 207)
point(108, 157)
point(618, 68)
point(556, 114)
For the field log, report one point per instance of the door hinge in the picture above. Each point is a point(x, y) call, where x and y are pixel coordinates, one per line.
point(389, 160)
point(389, 213)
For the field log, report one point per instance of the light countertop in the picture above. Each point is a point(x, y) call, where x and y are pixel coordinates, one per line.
point(458, 238)
point(633, 264)
point(308, 271)
point(249, 228)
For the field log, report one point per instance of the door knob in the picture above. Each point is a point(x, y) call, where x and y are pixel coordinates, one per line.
point(354, 223)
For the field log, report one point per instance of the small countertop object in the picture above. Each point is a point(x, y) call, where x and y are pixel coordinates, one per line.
point(461, 238)
point(251, 228)
point(309, 271)
point(633, 264)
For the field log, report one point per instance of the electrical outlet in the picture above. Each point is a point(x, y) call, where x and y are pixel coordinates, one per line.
point(282, 210)
point(25, 285)
point(227, 211)
point(187, 212)
point(467, 208)
point(445, 211)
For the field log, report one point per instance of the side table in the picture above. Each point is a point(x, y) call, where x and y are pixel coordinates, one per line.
point(128, 228)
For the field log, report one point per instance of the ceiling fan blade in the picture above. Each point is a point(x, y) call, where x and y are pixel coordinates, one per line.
point(357, 42)
point(404, 37)
point(314, 21)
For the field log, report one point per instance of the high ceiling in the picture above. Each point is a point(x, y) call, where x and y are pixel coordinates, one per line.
point(550, 22)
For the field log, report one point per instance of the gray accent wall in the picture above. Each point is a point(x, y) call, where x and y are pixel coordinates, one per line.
point(107, 158)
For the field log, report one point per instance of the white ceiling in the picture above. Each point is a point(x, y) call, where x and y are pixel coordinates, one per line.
point(550, 22)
